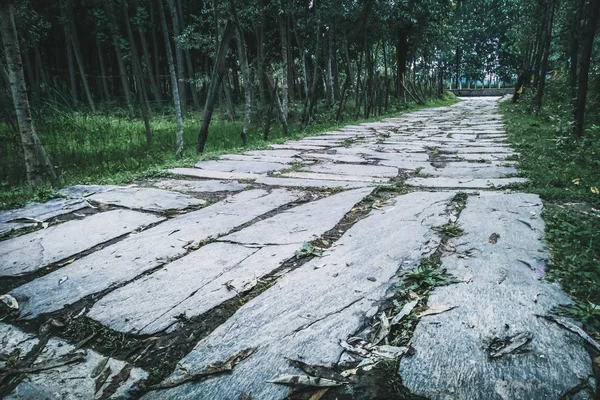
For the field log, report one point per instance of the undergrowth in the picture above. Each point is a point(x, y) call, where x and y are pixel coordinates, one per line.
point(565, 172)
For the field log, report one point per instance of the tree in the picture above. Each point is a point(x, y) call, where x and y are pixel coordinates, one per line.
point(37, 162)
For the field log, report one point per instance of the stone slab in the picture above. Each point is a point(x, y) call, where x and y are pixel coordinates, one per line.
point(69, 382)
point(306, 314)
point(300, 224)
point(502, 299)
point(13, 219)
point(333, 177)
point(474, 172)
point(77, 191)
point(197, 186)
point(295, 146)
point(245, 167)
point(356, 170)
point(31, 252)
point(310, 183)
point(188, 287)
point(142, 252)
point(207, 174)
point(465, 183)
point(265, 158)
point(147, 199)
point(342, 158)
point(273, 153)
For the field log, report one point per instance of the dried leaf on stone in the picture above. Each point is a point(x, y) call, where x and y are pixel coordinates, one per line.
point(303, 381)
point(318, 395)
point(9, 301)
point(384, 329)
point(63, 280)
point(436, 310)
point(318, 371)
point(573, 328)
point(390, 352)
point(407, 309)
point(500, 347)
point(354, 349)
point(210, 370)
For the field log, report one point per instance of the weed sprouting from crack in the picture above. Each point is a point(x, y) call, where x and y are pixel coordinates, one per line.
point(449, 230)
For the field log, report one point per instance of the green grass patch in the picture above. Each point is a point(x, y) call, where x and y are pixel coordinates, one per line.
point(565, 172)
point(110, 147)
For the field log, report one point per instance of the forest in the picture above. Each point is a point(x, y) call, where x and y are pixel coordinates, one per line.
point(98, 91)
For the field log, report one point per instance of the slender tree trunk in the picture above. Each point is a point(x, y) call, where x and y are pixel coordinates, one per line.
point(284, 57)
point(188, 59)
point(139, 75)
point(215, 81)
point(586, 53)
point(37, 162)
point(151, 76)
point(547, 42)
point(71, 66)
point(574, 47)
point(302, 61)
point(178, 55)
point(116, 39)
point(243, 57)
point(103, 70)
point(260, 53)
point(329, 81)
point(174, 86)
point(280, 113)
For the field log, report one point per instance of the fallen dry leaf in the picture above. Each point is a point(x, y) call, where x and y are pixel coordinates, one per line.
point(303, 381)
point(436, 310)
point(407, 309)
point(318, 394)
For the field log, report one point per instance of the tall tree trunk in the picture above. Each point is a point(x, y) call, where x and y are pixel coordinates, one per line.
point(71, 66)
point(260, 53)
point(243, 57)
point(103, 70)
point(577, 12)
point(116, 39)
point(284, 57)
point(329, 80)
point(174, 86)
point(547, 42)
point(178, 54)
point(188, 58)
point(71, 32)
point(215, 81)
point(37, 162)
point(302, 61)
point(144, 44)
point(138, 73)
point(280, 113)
point(586, 53)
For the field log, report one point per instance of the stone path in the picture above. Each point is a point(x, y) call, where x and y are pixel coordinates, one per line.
point(298, 253)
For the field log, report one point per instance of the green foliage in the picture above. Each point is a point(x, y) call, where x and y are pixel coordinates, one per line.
point(587, 313)
point(308, 250)
point(451, 229)
point(426, 277)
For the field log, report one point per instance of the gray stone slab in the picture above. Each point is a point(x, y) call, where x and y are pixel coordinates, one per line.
point(306, 314)
point(245, 167)
point(478, 157)
point(343, 158)
point(356, 170)
point(139, 253)
point(333, 177)
point(77, 191)
point(273, 153)
point(296, 146)
point(302, 223)
point(197, 186)
point(478, 149)
point(395, 158)
point(188, 287)
point(147, 199)
point(266, 159)
point(69, 382)
point(31, 252)
point(464, 183)
point(13, 219)
point(310, 183)
point(502, 299)
point(207, 174)
point(474, 172)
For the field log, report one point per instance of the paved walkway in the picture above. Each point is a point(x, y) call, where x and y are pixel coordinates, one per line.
point(242, 237)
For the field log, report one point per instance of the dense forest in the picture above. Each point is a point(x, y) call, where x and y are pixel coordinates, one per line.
point(93, 88)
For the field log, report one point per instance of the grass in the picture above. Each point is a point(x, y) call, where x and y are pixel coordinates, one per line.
point(565, 172)
point(110, 148)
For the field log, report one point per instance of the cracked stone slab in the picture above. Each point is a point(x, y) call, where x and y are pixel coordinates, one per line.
point(144, 251)
point(188, 287)
point(77, 191)
point(310, 183)
point(147, 199)
point(33, 251)
point(302, 223)
point(478, 157)
point(13, 219)
point(265, 159)
point(208, 174)
point(500, 299)
point(465, 183)
point(344, 158)
point(294, 146)
point(197, 186)
point(273, 153)
point(244, 167)
point(334, 177)
point(356, 170)
point(474, 172)
point(309, 310)
point(73, 381)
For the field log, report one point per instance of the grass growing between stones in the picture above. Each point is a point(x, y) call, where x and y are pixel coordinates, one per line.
point(110, 147)
point(565, 172)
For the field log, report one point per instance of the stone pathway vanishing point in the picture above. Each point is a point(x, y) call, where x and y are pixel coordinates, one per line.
point(227, 238)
